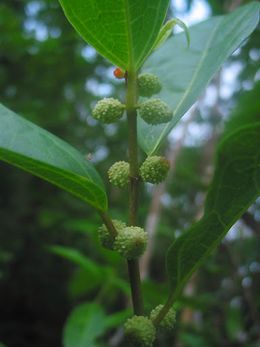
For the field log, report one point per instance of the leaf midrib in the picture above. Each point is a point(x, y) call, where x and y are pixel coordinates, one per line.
point(129, 36)
point(142, 60)
point(226, 226)
point(54, 140)
point(62, 173)
point(196, 72)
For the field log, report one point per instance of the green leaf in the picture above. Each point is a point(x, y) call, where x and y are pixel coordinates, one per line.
point(115, 319)
point(82, 282)
point(166, 31)
point(78, 258)
point(247, 110)
point(123, 31)
point(185, 73)
point(235, 186)
point(233, 322)
point(84, 325)
point(35, 150)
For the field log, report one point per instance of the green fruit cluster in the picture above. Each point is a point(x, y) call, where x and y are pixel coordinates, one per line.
point(153, 111)
point(140, 331)
point(154, 169)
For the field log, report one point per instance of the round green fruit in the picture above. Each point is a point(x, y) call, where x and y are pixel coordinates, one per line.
point(108, 110)
point(154, 169)
point(118, 174)
point(148, 84)
point(131, 242)
point(155, 111)
point(140, 331)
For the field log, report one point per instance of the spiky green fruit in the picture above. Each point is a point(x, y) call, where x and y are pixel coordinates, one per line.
point(167, 323)
point(105, 237)
point(154, 169)
point(131, 242)
point(140, 331)
point(155, 111)
point(148, 84)
point(118, 174)
point(108, 110)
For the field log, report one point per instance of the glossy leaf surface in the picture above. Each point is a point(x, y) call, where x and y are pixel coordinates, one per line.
point(235, 186)
point(185, 72)
point(37, 151)
point(123, 31)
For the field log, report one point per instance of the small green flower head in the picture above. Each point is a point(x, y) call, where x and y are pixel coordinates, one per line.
point(118, 174)
point(131, 242)
point(140, 331)
point(168, 321)
point(148, 84)
point(105, 236)
point(108, 110)
point(155, 111)
point(154, 169)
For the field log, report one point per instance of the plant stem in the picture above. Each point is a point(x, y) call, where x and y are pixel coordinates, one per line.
point(133, 265)
point(167, 306)
point(108, 223)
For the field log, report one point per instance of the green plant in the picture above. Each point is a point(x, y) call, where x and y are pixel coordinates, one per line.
point(237, 166)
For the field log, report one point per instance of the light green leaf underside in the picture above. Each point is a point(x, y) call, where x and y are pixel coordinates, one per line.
point(123, 31)
point(37, 151)
point(235, 186)
point(185, 72)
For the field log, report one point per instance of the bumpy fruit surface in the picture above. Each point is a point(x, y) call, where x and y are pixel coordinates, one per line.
point(154, 169)
point(140, 331)
point(108, 110)
point(168, 321)
point(148, 84)
point(131, 242)
point(155, 111)
point(118, 174)
point(105, 237)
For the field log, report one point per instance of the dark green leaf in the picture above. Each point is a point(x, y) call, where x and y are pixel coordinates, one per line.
point(35, 150)
point(123, 31)
point(185, 73)
point(77, 258)
point(82, 282)
point(84, 325)
point(234, 322)
point(115, 319)
point(247, 110)
point(235, 186)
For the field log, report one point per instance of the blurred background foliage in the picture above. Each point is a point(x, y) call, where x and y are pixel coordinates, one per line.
point(51, 263)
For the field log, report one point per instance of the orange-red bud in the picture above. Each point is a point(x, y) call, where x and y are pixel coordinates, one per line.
point(118, 73)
